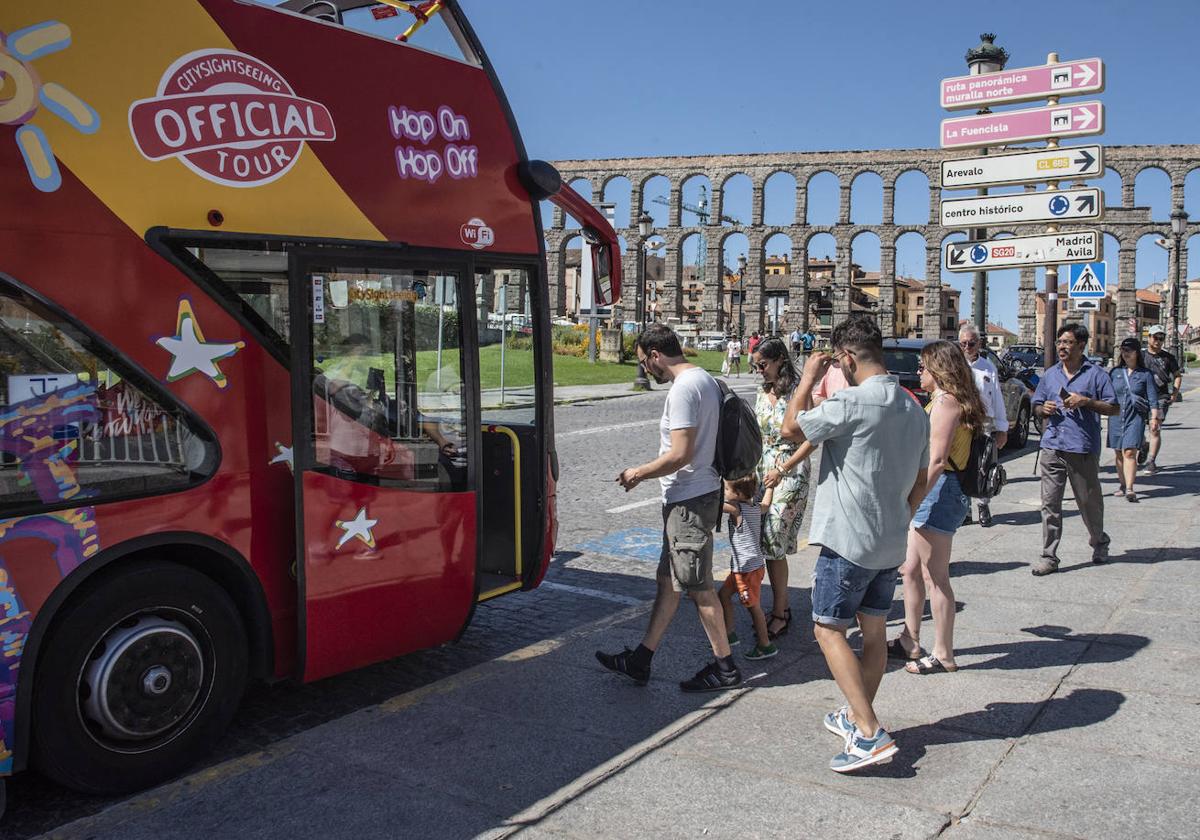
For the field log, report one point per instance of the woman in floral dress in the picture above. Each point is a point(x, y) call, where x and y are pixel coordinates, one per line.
point(781, 469)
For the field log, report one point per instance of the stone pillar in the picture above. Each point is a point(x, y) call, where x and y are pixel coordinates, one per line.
point(717, 207)
point(713, 301)
point(1127, 192)
point(887, 288)
point(631, 272)
point(753, 286)
point(668, 301)
point(797, 308)
point(844, 203)
point(935, 200)
point(1126, 289)
point(756, 203)
point(801, 201)
point(675, 216)
point(1183, 286)
point(556, 277)
point(558, 217)
point(1027, 307)
point(840, 288)
point(889, 203)
point(1177, 190)
point(933, 293)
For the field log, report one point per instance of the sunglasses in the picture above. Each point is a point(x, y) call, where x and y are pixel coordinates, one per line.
point(972, 343)
point(920, 367)
point(760, 365)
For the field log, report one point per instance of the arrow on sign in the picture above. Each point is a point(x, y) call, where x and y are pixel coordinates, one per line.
point(1086, 117)
point(1085, 161)
point(1084, 74)
point(957, 256)
point(1087, 204)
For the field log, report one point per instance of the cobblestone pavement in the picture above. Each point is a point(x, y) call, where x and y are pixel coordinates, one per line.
point(591, 452)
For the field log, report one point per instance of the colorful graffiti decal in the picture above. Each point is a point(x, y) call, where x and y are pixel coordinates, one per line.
point(285, 456)
point(41, 435)
point(190, 353)
point(17, 52)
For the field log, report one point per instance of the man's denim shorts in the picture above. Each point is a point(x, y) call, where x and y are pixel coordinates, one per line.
point(842, 589)
point(944, 507)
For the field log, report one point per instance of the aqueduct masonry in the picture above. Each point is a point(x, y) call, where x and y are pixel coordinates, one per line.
point(1126, 223)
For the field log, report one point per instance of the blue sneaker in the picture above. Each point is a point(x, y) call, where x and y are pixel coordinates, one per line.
point(861, 751)
point(838, 722)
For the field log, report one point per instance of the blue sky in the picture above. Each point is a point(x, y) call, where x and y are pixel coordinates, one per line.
point(592, 79)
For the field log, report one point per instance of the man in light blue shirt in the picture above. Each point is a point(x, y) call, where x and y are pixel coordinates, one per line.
point(1071, 396)
point(873, 472)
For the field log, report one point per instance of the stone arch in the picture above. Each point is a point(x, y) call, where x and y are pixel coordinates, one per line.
point(822, 197)
point(738, 289)
point(779, 198)
point(911, 202)
point(1191, 194)
point(652, 186)
point(1112, 187)
point(583, 186)
point(1153, 262)
point(866, 198)
point(695, 189)
point(737, 198)
point(569, 252)
point(1152, 188)
point(618, 190)
point(777, 252)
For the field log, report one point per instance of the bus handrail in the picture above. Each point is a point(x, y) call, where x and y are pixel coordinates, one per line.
point(516, 445)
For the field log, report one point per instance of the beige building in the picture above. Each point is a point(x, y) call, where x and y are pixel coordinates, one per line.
point(1101, 324)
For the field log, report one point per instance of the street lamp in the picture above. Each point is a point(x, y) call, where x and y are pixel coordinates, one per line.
point(741, 260)
point(645, 228)
point(1179, 218)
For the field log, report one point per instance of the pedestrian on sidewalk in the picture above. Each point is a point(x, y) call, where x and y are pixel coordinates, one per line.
point(1168, 379)
point(956, 413)
point(797, 340)
point(988, 381)
point(783, 470)
point(691, 504)
point(746, 562)
point(753, 344)
point(873, 471)
point(733, 356)
point(1071, 396)
point(1137, 394)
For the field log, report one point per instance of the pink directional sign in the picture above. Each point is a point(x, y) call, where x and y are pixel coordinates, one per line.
point(1019, 126)
point(1069, 78)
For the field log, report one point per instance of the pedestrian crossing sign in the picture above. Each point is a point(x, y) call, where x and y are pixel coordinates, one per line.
point(1087, 280)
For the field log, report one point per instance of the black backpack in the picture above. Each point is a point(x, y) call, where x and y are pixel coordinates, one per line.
point(981, 477)
point(739, 441)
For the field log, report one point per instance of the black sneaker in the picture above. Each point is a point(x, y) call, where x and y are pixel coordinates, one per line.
point(712, 678)
point(985, 516)
point(622, 663)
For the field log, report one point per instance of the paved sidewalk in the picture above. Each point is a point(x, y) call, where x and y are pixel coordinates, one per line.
point(1074, 714)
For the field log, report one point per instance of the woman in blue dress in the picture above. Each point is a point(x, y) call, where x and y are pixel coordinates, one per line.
point(1138, 398)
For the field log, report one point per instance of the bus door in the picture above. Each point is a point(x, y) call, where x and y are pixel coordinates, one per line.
point(512, 467)
point(383, 424)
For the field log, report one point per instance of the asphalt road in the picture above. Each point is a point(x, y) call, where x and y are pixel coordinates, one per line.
point(608, 548)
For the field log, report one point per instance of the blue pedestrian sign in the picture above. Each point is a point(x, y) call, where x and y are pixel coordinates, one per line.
point(1087, 280)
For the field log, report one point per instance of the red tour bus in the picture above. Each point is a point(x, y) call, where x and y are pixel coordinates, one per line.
point(254, 261)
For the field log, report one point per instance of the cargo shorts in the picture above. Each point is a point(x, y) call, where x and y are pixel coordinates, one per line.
point(687, 546)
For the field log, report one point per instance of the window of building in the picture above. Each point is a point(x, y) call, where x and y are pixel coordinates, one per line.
point(78, 425)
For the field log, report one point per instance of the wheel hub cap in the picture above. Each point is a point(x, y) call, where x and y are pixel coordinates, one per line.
point(143, 679)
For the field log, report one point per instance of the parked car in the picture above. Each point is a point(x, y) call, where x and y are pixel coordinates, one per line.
point(710, 343)
point(1027, 354)
point(902, 355)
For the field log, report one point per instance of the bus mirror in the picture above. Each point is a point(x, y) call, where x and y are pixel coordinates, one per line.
point(602, 274)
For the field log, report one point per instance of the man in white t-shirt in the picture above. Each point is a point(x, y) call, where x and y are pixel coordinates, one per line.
point(987, 380)
point(733, 355)
point(691, 503)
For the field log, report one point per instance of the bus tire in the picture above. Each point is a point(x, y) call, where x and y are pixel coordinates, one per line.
point(139, 676)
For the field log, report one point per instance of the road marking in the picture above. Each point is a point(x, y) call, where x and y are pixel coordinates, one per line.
point(613, 428)
point(591, 593)
point(635, 505)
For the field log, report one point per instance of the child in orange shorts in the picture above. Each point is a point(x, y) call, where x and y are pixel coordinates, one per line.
point(747, 563)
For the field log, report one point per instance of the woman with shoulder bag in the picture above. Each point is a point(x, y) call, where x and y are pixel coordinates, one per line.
point(1137, 395)
point(956, 414)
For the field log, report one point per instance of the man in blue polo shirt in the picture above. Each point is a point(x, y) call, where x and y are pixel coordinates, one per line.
point(1071, 396)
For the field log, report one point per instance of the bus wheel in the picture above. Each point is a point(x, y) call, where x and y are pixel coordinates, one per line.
point(140, 674)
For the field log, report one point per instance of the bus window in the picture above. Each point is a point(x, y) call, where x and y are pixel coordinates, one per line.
point(419, 23)
point(387, 376)
point(259, 278)
point(506, 360)
point(72, 425)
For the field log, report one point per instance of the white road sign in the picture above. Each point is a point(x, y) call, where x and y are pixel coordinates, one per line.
point(1072, 163)
point(1013, 251)
point(1023, 208)
point(1085, 304)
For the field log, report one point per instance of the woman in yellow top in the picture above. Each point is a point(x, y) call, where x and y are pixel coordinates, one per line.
point(956, 412)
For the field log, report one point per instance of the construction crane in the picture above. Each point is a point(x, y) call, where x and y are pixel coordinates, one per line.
point(700, 210)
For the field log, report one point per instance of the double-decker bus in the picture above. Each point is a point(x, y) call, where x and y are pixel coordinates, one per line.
point(257, 419)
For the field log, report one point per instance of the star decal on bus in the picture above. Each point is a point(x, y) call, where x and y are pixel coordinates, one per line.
point(357, 528)
point(191, 353)
point(25, 93)
point(285, 456)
